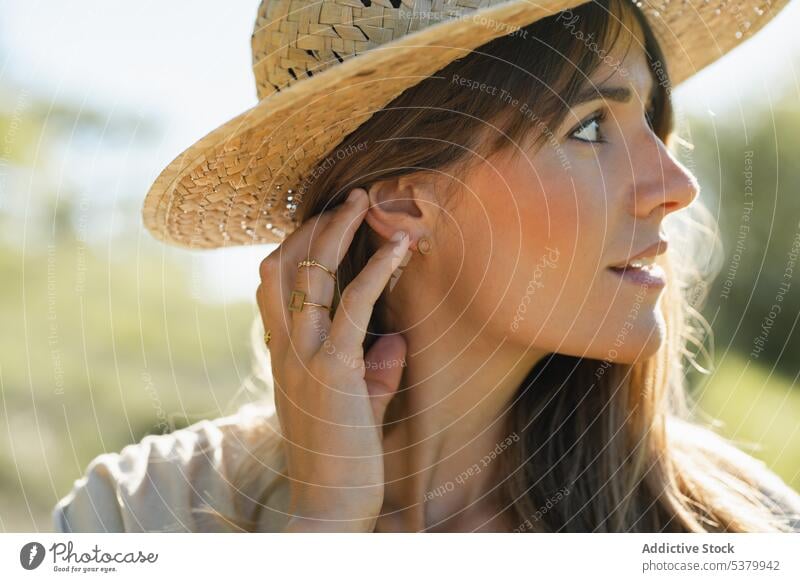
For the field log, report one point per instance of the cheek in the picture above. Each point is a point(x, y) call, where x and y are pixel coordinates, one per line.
point(524, 263)
point(529, 257)
point(571, 220)
point(531, 252)
point(561, 293)
point(501, 236)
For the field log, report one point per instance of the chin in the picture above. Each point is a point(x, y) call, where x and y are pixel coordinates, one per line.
point(642, 343)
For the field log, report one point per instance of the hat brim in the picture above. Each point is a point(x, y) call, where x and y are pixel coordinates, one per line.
point(231, 187)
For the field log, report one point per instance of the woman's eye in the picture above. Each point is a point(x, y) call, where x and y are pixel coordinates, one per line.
point(589, 130)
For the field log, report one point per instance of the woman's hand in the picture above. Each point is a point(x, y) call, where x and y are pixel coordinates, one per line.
point(330, 398)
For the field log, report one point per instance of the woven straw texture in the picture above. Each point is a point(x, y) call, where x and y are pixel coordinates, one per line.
point(243, 182)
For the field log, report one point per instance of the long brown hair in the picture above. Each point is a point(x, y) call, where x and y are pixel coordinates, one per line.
point(603, 446)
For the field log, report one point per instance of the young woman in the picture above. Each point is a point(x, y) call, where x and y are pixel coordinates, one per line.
point(488, 329)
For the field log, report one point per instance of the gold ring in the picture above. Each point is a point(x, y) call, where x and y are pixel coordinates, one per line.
point(297, 301)
point(267, 336)
point(314, 263)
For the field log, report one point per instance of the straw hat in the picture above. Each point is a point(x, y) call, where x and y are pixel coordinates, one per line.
point(323, 67)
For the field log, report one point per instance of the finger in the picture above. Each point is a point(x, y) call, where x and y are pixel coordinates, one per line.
point(262, 308)
point(273, 331)
point(349, 326)
point(278, 272)
point(277, 335)
point(271, 305)
point(310, 327)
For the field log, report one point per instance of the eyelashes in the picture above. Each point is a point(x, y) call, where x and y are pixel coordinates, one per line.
point(650, 114)
point(594, 120)
point(593, 124)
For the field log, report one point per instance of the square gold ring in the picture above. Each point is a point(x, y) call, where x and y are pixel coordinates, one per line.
point(297, 300)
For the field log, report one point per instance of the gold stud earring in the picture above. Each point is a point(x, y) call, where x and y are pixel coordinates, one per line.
point(424, 245)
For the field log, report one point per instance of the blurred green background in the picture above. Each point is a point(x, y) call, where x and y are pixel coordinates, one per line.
point(108, 335)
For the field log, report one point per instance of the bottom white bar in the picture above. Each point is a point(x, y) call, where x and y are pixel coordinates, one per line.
point(389, 557)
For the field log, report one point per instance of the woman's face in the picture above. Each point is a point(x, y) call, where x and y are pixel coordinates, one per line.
point(539, 231)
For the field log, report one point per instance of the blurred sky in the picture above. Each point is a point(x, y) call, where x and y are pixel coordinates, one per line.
point(187, 65)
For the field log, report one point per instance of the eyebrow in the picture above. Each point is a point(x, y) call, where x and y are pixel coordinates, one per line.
point(618, 94)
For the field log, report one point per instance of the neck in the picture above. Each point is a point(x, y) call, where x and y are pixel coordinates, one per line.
point(448, 425)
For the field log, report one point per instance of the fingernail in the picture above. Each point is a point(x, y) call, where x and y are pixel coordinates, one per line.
point(397, 258)
point(398, 236)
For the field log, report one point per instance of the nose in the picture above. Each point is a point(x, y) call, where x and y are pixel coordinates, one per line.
point(663, 184)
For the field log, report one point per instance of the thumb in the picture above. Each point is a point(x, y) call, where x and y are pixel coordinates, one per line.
point(384, 364)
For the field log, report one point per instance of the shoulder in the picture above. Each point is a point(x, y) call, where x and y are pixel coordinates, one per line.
point(159, 483)
point(691, 438)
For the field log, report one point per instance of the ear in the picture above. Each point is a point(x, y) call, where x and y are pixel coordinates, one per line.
point(403, 203)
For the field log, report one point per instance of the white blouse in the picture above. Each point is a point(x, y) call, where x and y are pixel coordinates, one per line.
point(159, 483)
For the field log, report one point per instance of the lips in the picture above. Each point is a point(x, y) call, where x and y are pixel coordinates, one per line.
point(642, 268)
point(650, 276)
point(645, 257)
